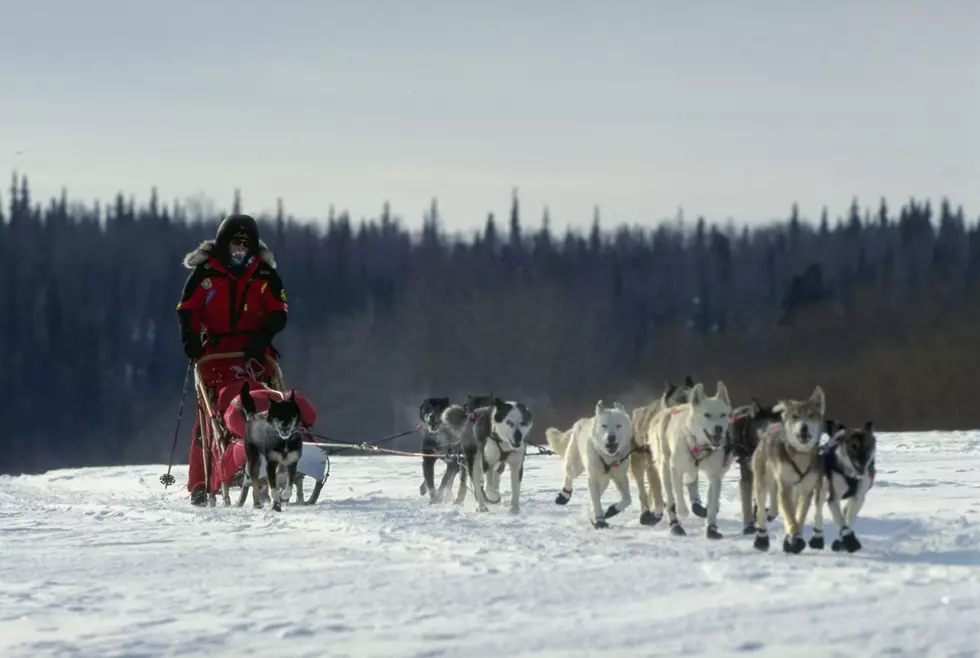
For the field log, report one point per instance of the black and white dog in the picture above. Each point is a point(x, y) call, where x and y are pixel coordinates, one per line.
point(848, 465)
point(438, 441)
point(493, 436)
point(273, 435)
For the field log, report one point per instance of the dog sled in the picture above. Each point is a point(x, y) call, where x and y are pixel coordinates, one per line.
point(218, 380)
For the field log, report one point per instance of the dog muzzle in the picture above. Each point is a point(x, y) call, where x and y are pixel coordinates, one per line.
point(717, 437)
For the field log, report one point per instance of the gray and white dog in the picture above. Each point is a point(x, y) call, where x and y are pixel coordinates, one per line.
point(438, 442)
point(493, 437)
point(848, 466)
point(787, 456)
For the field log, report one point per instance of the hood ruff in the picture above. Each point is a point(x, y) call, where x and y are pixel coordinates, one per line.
point(200, 255)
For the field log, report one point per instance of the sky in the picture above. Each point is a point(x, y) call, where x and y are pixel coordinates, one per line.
point(724, 109)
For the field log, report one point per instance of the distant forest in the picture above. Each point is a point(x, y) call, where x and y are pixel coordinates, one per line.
point(879, 305)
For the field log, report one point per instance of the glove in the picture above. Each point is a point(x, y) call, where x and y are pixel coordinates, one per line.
point(192, 346)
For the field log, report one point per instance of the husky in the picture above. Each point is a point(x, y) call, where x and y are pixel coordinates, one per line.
point(273, 435)
point(492, 437)
point(687, 439)
point(641, 466)
point(600, 447)
point(438, 441)
point(788, 455)
point(747, 424)
point(848, 466)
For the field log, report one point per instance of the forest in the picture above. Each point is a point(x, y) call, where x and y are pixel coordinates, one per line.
point(877, 303)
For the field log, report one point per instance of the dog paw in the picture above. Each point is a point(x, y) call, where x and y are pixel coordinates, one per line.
point(794, 544)
point(835, 546)
point(761, 542)
point(770, 517)
point(677, 529)
point(515, 510)
point(482, 508)
point(600, 523)
point(816, 541)
point(276, 507)
point(682, 511)
point(850, 541)
point(423, 489)
point(611, 511)
point(563, 497)
point(699, 510)
point(650, 518)
point(748, 529)
point(711, 532)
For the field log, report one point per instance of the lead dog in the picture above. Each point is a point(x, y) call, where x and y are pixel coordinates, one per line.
point(598, 446)
point(687, 439)
point(492, 438)
point(848, 467)
point(274, 436)
point(788, 455)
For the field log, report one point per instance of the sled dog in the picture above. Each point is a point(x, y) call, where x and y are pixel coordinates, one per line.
point(746, 425)
point(690, 438)
point(438, 441)
point(788, 455)
point(641, 465)
point(493, 437)
point(274, 436)
point(847, 464)
point(598, 446)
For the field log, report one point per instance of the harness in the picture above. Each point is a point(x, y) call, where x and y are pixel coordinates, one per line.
point(800, 474)
point(831, 464)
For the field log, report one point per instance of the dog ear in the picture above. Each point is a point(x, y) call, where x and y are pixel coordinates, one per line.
point(756, 408)
point(869, 427)
point(721, 392)
point(619, 405)
point(669, 388)
point(779, 407)
point(697, 394)
point(599, 406)
point(817, 397)
point(248, 404)
point(688, 382)
point(292, 396)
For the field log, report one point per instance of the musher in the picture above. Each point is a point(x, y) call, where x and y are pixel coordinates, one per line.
point(233, 301)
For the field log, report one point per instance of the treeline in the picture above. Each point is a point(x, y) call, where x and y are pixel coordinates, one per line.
point(878, 305)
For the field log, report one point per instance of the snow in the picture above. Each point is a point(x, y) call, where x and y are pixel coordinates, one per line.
point(106, 562)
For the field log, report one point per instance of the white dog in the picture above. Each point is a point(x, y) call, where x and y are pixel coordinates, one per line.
point(600, 447)
point(689, 438)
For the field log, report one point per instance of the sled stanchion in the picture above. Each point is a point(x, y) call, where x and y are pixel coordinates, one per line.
point(169, 479)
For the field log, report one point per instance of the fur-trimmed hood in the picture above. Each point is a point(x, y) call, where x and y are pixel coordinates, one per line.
point(200, 255)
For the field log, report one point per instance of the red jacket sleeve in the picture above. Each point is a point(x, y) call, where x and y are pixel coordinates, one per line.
point(273, 293)
point(192, 301)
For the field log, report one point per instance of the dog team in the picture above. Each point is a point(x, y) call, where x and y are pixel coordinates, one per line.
point(667, 446)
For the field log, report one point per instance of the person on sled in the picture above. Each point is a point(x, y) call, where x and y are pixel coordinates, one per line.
point(233, 301)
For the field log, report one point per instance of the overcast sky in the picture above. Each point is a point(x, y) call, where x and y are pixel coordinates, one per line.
point(728, 109)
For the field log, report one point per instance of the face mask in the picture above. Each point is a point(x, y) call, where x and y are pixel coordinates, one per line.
point(237, 254)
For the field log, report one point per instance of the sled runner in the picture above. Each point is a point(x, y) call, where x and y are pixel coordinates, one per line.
point(218, 380)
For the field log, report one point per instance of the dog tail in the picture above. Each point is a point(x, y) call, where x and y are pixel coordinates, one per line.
point(557, 440)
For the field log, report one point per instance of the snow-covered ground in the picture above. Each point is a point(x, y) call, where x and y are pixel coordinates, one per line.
point(105, 562)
